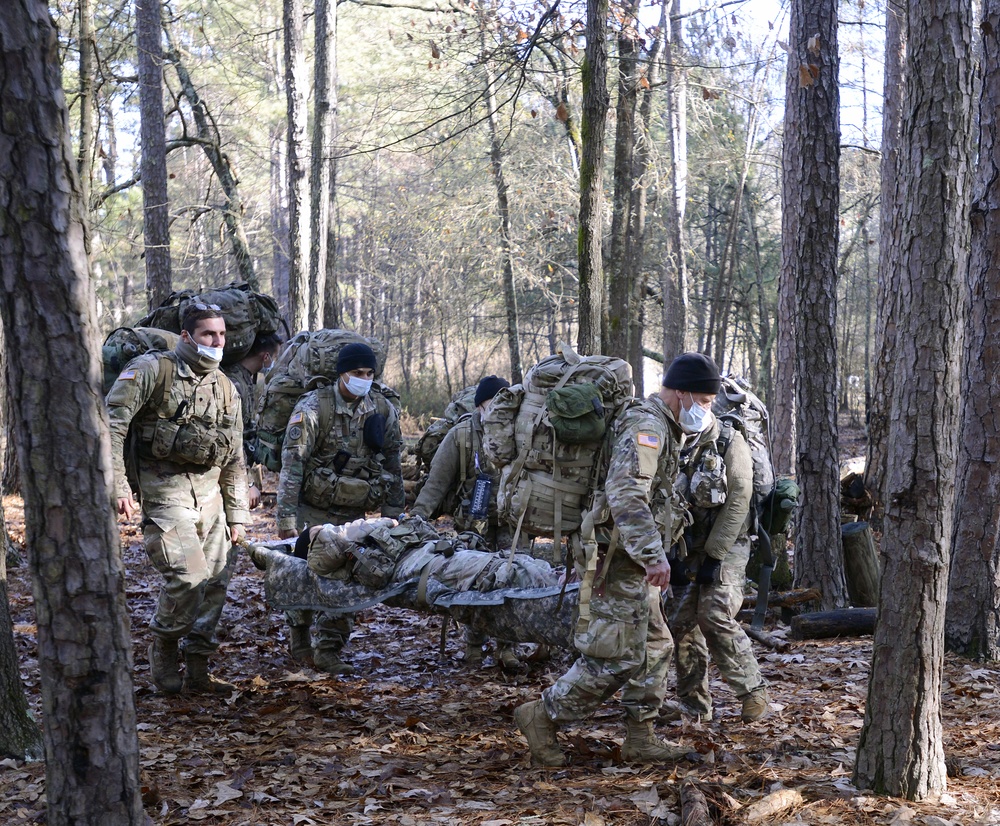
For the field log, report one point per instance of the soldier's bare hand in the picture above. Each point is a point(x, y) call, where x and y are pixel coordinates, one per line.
point(287, 533)
point(254, 496)
point(658, 575)
point(127, 506)
point(236, 533)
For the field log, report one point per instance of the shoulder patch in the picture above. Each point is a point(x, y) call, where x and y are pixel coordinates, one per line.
point(650, 440)
point(296, 418)
point(128, 375)
point(294, 433)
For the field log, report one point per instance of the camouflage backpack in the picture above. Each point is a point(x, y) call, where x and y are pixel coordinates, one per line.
point(463, 402)
point(546, 482)
point(247, 314)
point(126, 343)
point(307, 363)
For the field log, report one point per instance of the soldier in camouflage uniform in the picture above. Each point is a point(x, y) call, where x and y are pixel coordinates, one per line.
point(243, 374)
point(340, 459)
point(188, 447)
point(449, 488)
point(720, 491)
point(624, 641)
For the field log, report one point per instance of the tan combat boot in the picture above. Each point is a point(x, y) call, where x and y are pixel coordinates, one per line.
point(163, 665)
point(300, 644)
point(473, 654)
point(540, 732)
point(329, 661)
point(643, 746)
point(754, 705)
point(508, 657)
point(197, 678)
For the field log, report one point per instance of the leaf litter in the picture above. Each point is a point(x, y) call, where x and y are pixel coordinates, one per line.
point(409, 739)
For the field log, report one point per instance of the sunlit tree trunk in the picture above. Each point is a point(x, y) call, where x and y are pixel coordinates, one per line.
point(298, 181)
point(901, 750)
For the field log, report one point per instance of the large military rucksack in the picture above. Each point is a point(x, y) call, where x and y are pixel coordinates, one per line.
point(462, 403)
point(126, 343)
point(547, 436)
point(308, 362)
point(247, 315)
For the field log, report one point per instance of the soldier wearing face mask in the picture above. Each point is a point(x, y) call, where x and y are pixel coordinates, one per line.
point(622, 636)
point(182, 418)
point(340, 460)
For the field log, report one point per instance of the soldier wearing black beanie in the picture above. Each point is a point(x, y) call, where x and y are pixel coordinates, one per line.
point(693, 373)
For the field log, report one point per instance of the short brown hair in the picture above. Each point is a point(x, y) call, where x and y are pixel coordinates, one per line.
point(196, 311)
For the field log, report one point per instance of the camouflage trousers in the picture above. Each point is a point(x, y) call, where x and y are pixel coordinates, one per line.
point(626, 644)
point(703, 622)
point(332, 630)
point(191, 550)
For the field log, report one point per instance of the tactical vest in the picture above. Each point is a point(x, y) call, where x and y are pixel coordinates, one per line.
point(188, 422)
point(344, 473)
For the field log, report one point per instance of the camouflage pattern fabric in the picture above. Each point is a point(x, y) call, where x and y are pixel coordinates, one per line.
point(311, 448)
point(703, 620)
point(186, 508)
point(626, 642)
point(449, 486)
point(244, 381)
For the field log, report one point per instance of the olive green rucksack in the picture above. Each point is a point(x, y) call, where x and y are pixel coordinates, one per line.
point(461, 404)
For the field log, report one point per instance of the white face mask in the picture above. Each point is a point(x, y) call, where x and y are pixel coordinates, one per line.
point(357, 386)
point(695, 419)
point(211, 353)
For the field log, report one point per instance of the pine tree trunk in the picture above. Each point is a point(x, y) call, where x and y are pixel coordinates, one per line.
point(321, 163)
point(888, 260)
point(298, 181)
point(901, 750)
point(595, 109)
point(810, 232)
point(84, 647)
point(972, 624)
point(153, 165)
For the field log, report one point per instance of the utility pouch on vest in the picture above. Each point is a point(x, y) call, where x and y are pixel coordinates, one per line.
point(161, 445)
point(324, 489)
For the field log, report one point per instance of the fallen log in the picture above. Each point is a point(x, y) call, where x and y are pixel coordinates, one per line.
point(784, 599)
point(694, 806)
point(845, 622)
point(771, 806)
point(763, 638)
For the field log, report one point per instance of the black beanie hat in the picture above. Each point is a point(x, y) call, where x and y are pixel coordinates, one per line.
point(355, 356)
point(489, 387)
point(693, 373)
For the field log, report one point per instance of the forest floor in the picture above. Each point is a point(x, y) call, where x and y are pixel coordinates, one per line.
point(413, 739)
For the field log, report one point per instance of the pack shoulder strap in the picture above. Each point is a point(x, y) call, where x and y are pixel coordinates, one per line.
point(165, 371)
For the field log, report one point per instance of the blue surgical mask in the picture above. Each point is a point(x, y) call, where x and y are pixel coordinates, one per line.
point(695, 419)
point(211, 353)
point(357, 386)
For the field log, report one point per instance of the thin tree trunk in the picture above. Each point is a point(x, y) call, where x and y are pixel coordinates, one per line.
point(298, 181)
point(279, 222)
point(811, 163)
point(333, 314)
point(889, 251)
point(153, 162)
point(85, 160)
point(901, 750)
point(321, 164)
point(84, 648)
point(595, 109)
point(972, 624)
point(503, 212)
point(211, 142)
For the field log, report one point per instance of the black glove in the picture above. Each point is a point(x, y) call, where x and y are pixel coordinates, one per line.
point(708, 571)
point(374, 433)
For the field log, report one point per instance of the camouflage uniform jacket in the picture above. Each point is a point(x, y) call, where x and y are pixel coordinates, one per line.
point(245, 382)
point(324, 426)
point(453, 472)
point(212, 401)
point(645, 458)
point(716, 529)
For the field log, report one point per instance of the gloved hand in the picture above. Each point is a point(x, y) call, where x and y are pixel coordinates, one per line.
point(708, 571)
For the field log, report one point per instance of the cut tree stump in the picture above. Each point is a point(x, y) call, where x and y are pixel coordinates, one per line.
point(845, 622)
point(860, 564)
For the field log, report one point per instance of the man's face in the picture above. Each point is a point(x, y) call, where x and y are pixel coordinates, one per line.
point(365, 373)
point(677, 400)
point(210, 332)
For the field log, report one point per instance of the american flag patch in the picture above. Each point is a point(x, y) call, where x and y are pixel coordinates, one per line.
point(296, 418)
point(648, 440)
point(128, 375)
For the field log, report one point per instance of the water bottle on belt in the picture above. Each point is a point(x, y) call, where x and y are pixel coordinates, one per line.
point(480, 507)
